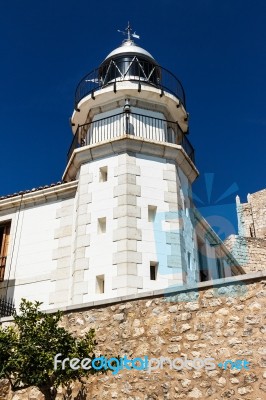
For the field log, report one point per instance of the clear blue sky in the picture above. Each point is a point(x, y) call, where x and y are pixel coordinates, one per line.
point(216, 48)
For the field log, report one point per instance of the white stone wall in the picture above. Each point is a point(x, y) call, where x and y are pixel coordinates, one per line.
point(30, 263)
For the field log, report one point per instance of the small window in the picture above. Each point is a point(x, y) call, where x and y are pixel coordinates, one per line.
point(100, 284)
point(151, 213)
point(103, 174)
point(189, 260)
point(4, 242)
point(220, 268)
point(153, 270)
point(102, 225)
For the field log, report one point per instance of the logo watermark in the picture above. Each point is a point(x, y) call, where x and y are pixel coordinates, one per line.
point(144, 363)
point(187, 249)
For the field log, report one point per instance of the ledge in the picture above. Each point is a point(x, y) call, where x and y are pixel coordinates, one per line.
point(133, 144)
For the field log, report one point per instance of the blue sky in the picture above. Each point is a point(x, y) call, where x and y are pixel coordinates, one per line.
point(216, 48)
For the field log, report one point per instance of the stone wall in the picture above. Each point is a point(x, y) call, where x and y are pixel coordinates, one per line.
point(252, 215)
point(249, 246)
point(249, 252)
point(225, 321)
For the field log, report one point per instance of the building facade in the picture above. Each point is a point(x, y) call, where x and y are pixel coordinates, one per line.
point(122, 221)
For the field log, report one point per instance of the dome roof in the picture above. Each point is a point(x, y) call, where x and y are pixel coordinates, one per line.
point(128, 46)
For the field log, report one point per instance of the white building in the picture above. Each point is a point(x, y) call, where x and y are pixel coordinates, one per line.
point(122, 221)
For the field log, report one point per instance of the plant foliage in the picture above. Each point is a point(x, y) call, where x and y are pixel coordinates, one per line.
point(28, 348)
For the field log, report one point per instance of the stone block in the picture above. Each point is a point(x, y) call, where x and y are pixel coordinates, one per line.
point(80, 288)
point(66, 221)
point(65, 241)
point(84, 198)
point(63, 231)
point(127, 169)
point(79, 253)
point(81, 230)
point(82, 209)
point(129, 281)
point(127, 256)
point(63, 262)
point(127, 189)
point(81, 264)
point(62, 273)
point(127, 245)
point(171, 198)
point(61, 252)
point(62, 284)
point(84, 219)
point(127, 178)
point(77, 299)
point(83, 241)
point(127, 269)
point(128, 222)
point(172, 187)
point(86, 178)
point(126, 158)
point(64, 211)
point(126, 233)
point(78, 276)
point(130, 200)
point(127, 211)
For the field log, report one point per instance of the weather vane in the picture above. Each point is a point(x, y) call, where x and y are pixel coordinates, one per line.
point(127, 32)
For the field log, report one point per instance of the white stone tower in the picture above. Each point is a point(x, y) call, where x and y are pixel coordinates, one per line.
point(135, 168)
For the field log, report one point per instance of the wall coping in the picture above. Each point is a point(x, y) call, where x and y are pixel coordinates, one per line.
point(255, 276)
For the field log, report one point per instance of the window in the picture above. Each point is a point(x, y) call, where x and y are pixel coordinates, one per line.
point(151, 213)
point(202, 257)
point(4, 242)
point(101, 225)
point(220, 268)
point(103, 174)
point(189, 260)
point(153, 270)
point(100, 284)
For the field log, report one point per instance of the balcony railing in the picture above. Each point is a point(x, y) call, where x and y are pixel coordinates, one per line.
point(2, 268)
point(142, 72)
point(7, 307)
point(141, 126)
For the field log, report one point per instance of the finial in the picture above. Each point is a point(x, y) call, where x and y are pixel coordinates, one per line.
point(127, 32)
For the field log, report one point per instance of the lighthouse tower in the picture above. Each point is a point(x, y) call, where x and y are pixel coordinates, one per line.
point(135, 166)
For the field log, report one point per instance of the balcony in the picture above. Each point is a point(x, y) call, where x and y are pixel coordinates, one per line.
point(7, 307)
point(135, 70)
point(141, 126)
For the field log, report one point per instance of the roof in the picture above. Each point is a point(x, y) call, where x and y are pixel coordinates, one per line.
point(31, 190)
point(128, 46)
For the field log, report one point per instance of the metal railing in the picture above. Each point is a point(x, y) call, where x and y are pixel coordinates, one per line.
point(142, 126)
point(143, 72)
point(2, 268)
point(7, 307)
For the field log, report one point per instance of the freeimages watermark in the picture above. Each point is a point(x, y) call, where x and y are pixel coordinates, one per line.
point(144, 363)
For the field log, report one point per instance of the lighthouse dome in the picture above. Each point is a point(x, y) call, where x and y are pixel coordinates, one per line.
point(129, 62)
point(130, 48)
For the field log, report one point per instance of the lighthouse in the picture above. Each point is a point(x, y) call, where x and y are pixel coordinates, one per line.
point(135, 167)
point(122, 222)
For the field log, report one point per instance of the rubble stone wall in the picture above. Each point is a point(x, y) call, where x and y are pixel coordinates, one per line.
point(249, 252)
point(225, 321)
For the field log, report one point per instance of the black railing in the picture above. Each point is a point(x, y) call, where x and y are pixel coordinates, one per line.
point(7, 307)
point(2, 268)
point(143, 72)
point(142, 126)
